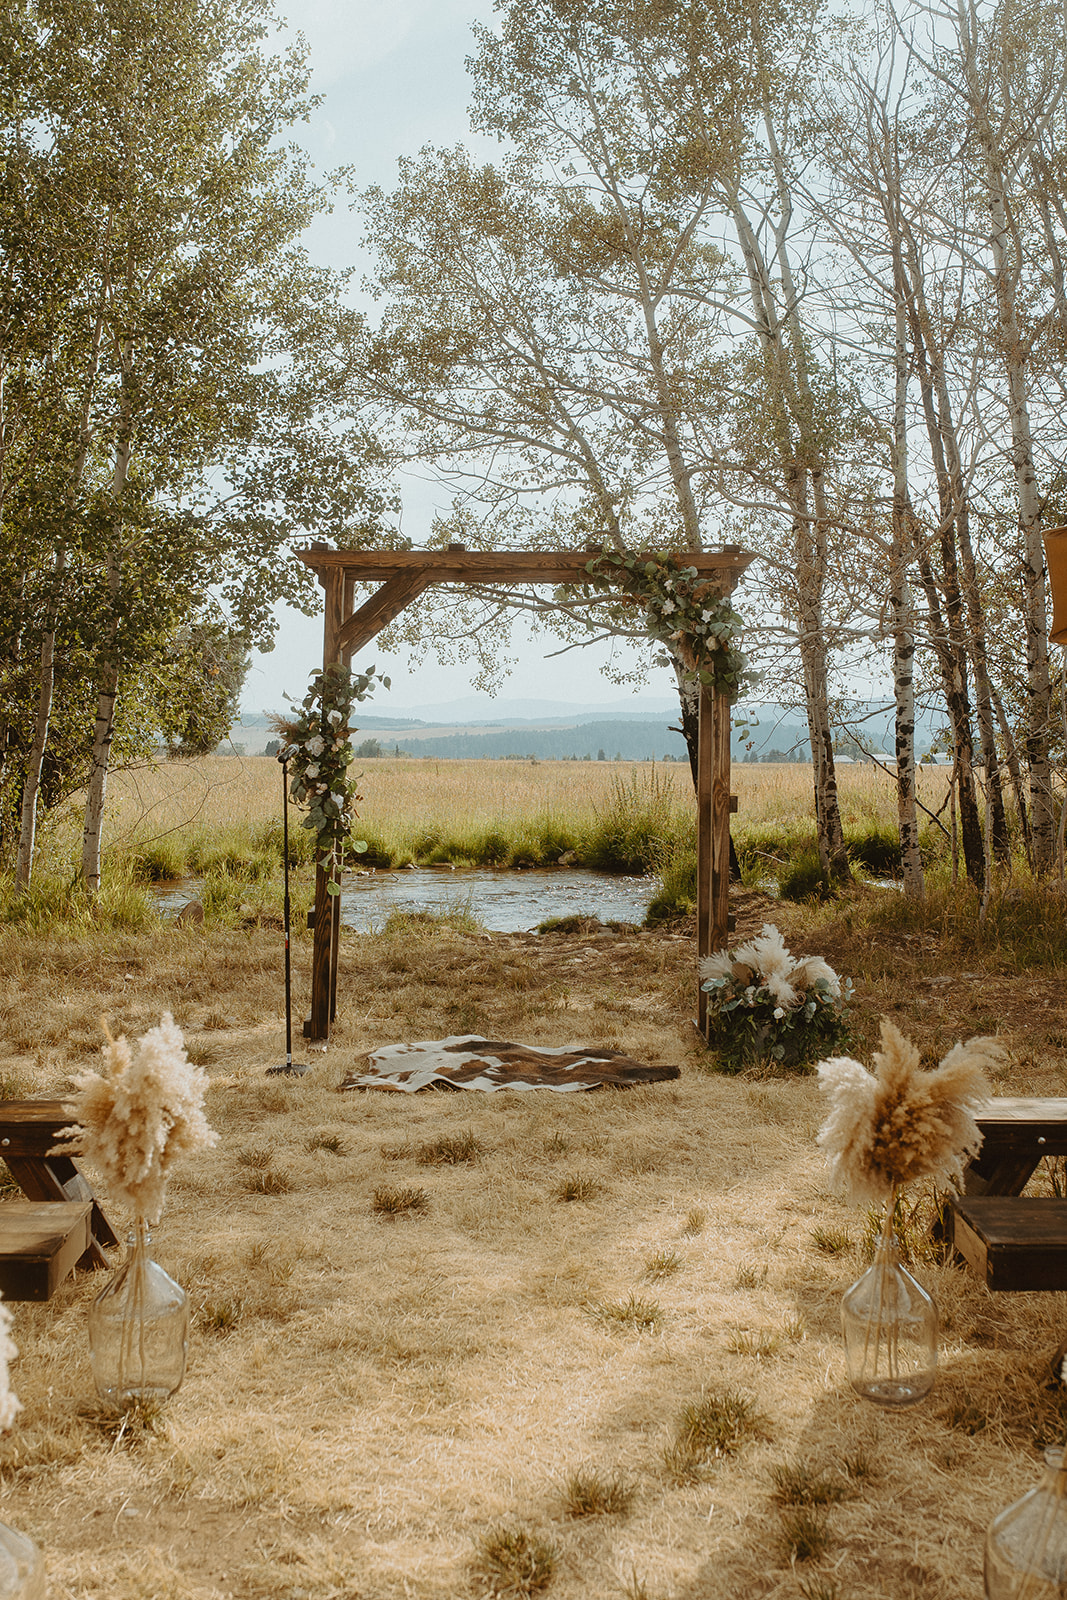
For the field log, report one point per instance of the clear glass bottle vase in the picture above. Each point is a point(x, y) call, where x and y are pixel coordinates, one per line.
point(138, 1329)
point(890, 1327)
point(1026, 1545)
point(21, 1566)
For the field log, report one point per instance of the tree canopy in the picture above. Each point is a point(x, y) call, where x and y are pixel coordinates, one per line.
point(170, 424)
point(785, 277)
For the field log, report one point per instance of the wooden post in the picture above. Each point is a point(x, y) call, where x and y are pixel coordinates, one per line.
point(705, 785)
point(713, 832)
point(327, 905)
point(721, 807)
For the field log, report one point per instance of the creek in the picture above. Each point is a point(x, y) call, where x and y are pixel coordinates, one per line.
point(504, 902)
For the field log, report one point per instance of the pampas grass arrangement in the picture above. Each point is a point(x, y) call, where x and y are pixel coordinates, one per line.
point(886, 1129)
point(766, 1005)
point(134, 1121)
point(21, 1564)
point(137, 1117)
point(901, 1123)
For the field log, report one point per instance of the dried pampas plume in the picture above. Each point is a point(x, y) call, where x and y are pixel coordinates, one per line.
point(901, 1122)
point(10, 1404)
point(138, 1116)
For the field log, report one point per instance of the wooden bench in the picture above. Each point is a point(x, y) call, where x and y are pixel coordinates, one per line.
point(28, 1130)
point(1013, 1242)
point(40, 1242)
point(1016, 1133)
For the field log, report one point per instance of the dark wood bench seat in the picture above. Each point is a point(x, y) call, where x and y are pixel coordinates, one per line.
point(40, 1242)
point(1017, 1132)
point(28, 1130)
point(1013, 1242)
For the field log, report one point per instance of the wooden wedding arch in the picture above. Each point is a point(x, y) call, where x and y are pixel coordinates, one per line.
point(403, 575)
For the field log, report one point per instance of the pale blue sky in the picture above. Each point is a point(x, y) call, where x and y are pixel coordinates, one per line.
point(393, 76)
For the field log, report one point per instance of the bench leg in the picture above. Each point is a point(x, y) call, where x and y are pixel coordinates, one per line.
point(57, 1178)
point(1002, 1174)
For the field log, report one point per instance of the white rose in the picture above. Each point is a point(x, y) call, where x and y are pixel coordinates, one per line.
point(315, 745)
point(311, 772)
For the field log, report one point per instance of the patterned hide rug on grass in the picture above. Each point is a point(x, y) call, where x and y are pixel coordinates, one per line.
point(467, 1061)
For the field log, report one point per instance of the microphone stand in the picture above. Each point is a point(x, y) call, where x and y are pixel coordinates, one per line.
point(290, 1067)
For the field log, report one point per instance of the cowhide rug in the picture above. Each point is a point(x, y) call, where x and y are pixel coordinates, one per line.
point(467, 1061)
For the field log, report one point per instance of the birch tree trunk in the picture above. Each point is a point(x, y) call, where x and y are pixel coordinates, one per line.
point(952, 662)
point(1023, 127)
point(808, 531)
point(35, 759)
point(47, 674)
point(103, 733)
point(901, 623)
point(949, 638)
point(998, 843)
point(107, 697)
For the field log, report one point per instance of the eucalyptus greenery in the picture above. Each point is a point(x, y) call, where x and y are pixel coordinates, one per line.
point(319, 745)
point(699, 627)
point(765, 1006)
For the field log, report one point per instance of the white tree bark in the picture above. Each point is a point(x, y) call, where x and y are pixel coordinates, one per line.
point(108, 692)
point(35, 759)
point(902, 624)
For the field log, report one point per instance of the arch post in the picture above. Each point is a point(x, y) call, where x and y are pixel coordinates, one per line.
point(327, 913)
point(714, 806)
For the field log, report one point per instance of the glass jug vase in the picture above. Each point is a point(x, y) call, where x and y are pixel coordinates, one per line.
point(138, 1330)
point(890, 1327)
point(1026, 1545)
point(21, 1566)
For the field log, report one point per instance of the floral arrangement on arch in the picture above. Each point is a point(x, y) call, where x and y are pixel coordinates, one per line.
point(319, 752)
point(766, 1005)
point(700, 627)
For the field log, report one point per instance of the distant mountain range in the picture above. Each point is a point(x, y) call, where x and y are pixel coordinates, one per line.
point(547, 730)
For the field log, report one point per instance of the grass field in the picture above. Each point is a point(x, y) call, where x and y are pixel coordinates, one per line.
point(406, 800)
point(599, 1358)
point(188, 816)
point(219, 819)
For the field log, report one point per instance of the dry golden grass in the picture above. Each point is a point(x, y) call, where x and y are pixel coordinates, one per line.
point(215, 791)
point(383, 1404)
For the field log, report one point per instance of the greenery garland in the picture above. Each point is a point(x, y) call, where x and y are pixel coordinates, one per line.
point(319, 751)
point(698, 627)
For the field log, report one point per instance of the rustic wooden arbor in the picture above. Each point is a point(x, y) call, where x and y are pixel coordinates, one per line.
point(403, 575)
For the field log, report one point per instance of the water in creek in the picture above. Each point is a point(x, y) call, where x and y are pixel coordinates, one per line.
point(504, 902)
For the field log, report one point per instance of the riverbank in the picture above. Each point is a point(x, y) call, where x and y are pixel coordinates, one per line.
point(220, 820)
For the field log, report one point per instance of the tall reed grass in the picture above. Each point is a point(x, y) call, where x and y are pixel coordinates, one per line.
point(220, 820)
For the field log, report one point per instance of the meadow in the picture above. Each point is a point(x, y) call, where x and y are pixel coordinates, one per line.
point(485, 812)
point(575, 1345)
point(219, 819)
point(462, 1345)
